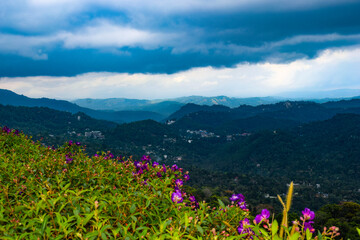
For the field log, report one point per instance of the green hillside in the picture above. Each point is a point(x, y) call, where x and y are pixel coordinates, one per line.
point(64, 194)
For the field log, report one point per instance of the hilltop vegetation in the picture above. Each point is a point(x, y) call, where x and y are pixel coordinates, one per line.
point(65, 194)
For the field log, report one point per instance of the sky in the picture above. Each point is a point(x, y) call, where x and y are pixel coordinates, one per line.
point(153, 49)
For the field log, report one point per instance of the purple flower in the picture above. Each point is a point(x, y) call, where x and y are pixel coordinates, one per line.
point(265, 214)
point(192, 199)
point(6, 129)
point(141, 166)
point(179, 182)
point(145, 167)
point(70, 143)
point(96, 155)
point(137, 164)
point(186, 177)
point(159, 174)
point(308, 214)
point(155, 164)
point(242, 226)
point(307, 225)
point(242, 205)
point(176, 197)
point(164, 168)
point(146, 158)
point(16, 132)
point(78, 143)
point(237, 197)
point(68, 160)
point(174, 167)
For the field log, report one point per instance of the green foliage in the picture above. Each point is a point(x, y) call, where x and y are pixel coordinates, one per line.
point(346, 216)
point(44, 194)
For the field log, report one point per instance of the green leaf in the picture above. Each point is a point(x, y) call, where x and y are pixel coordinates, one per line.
point(87, 219)
point(59, 237)
point(133, 208)
point(103, 236)
point(274, 227)
point(308, 234)
point(66, 186)
point(295, 236)
point(186, 220)
point(105, 227)
point(200, 229)
point(43, 226)
point(148, 202)
point(264, 232)
point(221, 204)
point(115, 231)
point(91, 235)
point(320, 237)
point(358, 230)
point(134, 218)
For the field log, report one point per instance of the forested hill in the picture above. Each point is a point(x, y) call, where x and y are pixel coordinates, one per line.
point(289, 113)
point(45, 121)
point(324, 155)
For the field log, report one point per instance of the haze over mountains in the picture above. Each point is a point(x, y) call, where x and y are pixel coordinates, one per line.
point(166, 106)
point(121, 110)
point(10, 98)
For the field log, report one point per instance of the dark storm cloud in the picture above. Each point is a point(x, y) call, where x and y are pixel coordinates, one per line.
point(59, 38)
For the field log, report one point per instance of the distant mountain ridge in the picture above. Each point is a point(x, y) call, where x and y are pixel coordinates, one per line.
point(164, 108)
point(243, 118)
point(227, 101)
point(168, 106)
point(122, 110)
point(10, 98)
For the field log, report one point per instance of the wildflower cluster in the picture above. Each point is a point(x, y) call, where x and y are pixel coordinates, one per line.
point(6, 129)
point(307, 218)
point(239, 199)
point(65, 194)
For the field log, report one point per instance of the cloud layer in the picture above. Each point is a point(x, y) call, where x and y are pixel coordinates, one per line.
point(332, 69)
point(158, 49)
point(67, 38)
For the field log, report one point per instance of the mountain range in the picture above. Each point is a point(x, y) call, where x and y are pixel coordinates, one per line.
point(221, 119)
point(168, 106)
point(121, 110)
point(10, 98)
